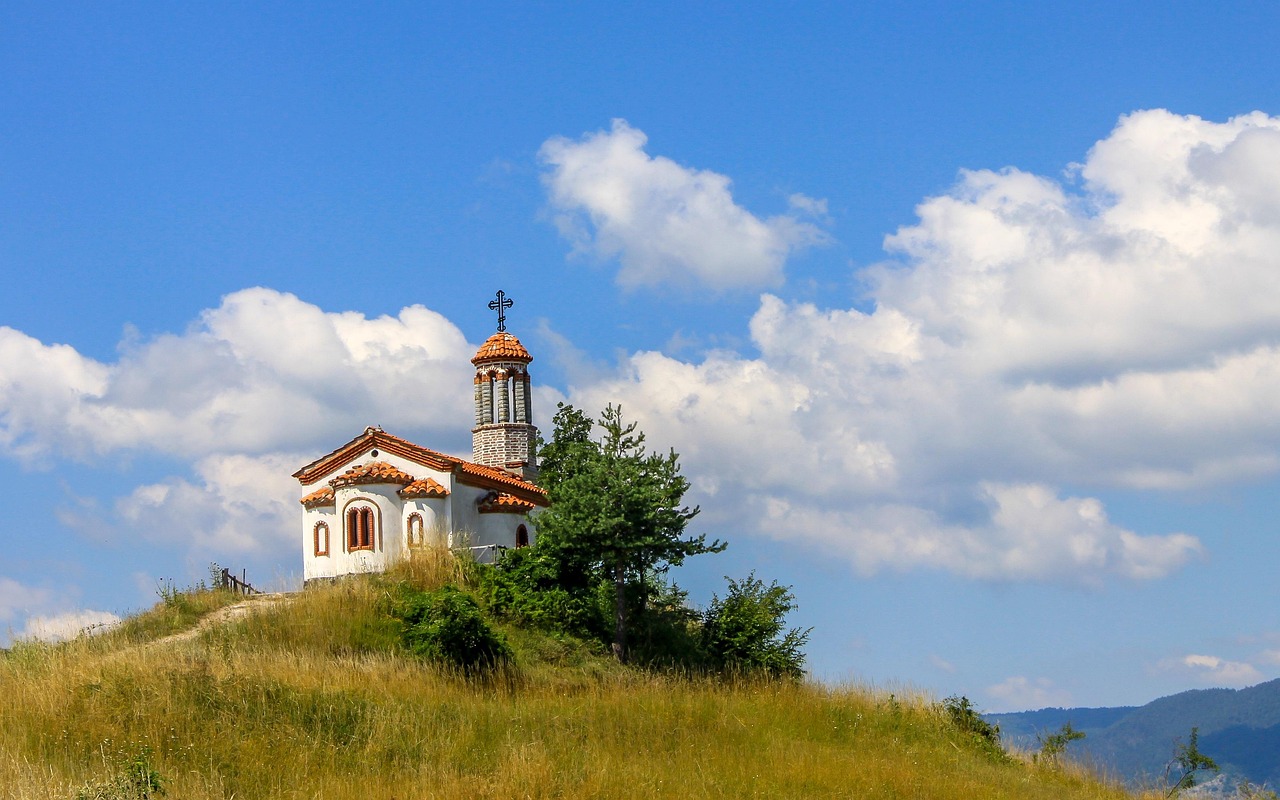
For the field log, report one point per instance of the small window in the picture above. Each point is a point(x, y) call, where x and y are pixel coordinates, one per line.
point(321, 534)
point(360, 532)
point(414, 531)
point(522, 536)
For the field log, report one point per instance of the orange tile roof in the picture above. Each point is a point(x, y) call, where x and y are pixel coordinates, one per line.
point(375, 472)
point(428, 487)
point(464, 471)
point(502, 346)
point(504, 504)
point(320, 497)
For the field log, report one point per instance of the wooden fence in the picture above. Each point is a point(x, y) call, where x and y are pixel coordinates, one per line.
point(239, 585)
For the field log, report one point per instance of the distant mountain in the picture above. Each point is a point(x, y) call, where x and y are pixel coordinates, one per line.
point(1239, 728)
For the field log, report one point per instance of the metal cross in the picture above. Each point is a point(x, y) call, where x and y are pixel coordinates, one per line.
point(501, 305)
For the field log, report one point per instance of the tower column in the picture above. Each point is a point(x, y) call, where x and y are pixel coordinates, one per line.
point(520, 385)
point(504, 397)
point(525, 380)
point(486, 401)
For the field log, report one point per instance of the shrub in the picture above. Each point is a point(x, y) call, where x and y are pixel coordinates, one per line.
point(744, 631)
point(966, 719)
point(447, 625)
point(525, 588)
point(135, 779)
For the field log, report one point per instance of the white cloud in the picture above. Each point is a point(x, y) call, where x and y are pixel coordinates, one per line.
point(254, 389)
point(1028, 534)
point(238, 504)
point(940, 663)
point(1030, 334)
point(16, 598)
point(665, 223)
point(1270, 657)
point(68, 625)
point(1018, 693)
point(1215, 671)
point(262, 372)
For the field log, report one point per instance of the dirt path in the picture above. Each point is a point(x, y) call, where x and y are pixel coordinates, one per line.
point(261, 602)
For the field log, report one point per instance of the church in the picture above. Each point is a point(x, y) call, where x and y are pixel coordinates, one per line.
point(377, 497)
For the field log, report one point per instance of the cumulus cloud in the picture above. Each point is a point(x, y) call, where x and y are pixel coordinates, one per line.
point(1117, 330)
point(1215, 671)
point(1032, 342)
point(262, 372)
point(68, 625)
point(237, 503)
point(1018, 693)
point(251, 391)
point(666, 223)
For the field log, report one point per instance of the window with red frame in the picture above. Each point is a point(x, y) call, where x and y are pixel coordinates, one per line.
point(360, 528)
point(322, 538)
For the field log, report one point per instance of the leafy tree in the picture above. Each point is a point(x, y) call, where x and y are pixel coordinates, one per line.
point(1187, 761)
point(745, 630)
point(617, 511)
point(1054, 745)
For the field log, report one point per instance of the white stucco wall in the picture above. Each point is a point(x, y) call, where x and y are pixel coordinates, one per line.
point(453, 520)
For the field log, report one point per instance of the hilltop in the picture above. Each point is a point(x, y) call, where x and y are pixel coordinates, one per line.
point(315, 695)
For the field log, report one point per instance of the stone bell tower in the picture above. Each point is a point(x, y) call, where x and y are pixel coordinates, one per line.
point(504, 435)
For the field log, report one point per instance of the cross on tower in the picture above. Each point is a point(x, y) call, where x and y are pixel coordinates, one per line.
point(501, 305)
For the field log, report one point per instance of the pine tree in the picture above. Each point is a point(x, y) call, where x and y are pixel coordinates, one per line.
point(617, 511)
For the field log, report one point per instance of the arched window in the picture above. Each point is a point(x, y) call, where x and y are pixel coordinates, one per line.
point(360, 528)
point(522, 536)
point(414, 530)
point(321, 533)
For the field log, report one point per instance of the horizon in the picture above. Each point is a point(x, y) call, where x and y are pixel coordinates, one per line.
point(959, 319)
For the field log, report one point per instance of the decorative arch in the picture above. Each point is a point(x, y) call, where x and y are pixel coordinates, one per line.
point(363, 526)
point(415, 532)
point(321, 535)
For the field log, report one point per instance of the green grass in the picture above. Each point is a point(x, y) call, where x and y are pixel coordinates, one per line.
point(314, 698)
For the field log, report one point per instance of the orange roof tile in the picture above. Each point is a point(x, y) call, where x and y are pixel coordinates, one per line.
point(427, 487)
point(502, 346)
point(320, 497)
point(464, 471)
point(375, 472)
point(499, 503)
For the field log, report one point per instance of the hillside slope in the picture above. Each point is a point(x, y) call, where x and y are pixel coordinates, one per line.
point(1239, 728)
point(313, 698)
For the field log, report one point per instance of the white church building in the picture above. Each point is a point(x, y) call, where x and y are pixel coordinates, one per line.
point(377, 497)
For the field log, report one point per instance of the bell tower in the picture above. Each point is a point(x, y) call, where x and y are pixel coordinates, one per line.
point(504, 435)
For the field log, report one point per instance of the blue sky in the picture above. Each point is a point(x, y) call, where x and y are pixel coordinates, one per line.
point(966, 321)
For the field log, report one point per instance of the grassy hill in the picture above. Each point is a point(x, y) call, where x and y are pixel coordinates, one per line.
point(313, 696)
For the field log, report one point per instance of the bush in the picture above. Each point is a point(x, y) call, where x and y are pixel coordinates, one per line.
point(136, 779)
point(966, 719)
point(744, 631)
point(525, 588)
point(447, 625)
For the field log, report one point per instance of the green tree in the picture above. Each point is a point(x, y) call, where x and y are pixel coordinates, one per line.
point(1053, 745)
point(745, 630)
point(617, 511)
point(1186, 763)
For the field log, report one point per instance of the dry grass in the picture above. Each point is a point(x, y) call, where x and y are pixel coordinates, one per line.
point(311, 699)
